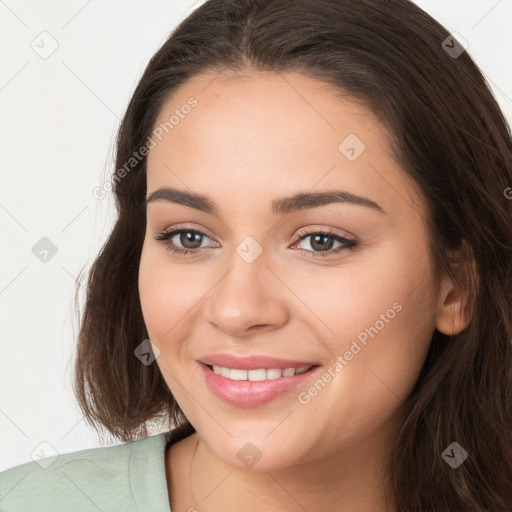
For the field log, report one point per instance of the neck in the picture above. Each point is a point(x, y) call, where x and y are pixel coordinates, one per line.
point(351, 480)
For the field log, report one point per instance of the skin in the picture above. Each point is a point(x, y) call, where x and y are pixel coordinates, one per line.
point(248, 141)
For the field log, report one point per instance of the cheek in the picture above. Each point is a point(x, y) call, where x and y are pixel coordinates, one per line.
point(378, 373)
point(379, 313)
point(168, 294)
point(368, 292)
point(379, 358)
point(383, 336)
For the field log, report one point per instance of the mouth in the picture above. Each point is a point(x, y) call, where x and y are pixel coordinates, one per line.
point(242, 387)
point(258, 374)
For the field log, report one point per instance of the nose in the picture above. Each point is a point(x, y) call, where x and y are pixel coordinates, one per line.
point(248, 298)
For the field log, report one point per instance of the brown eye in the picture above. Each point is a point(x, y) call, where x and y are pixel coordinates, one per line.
point(322, 242)
point(189, 239)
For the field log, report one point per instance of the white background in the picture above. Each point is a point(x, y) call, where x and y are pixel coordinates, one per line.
point(59, 117)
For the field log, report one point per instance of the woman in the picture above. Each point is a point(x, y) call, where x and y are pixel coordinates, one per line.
point(308, 275)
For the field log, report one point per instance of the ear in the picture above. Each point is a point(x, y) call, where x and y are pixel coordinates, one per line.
point(455, 307)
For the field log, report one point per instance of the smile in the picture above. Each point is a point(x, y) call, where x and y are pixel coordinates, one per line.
point(247, 388)
point(259, 374)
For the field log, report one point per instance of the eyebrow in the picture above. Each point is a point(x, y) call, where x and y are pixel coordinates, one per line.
point(281, 205)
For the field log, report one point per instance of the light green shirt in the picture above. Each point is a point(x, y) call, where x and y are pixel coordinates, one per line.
point(129, 477)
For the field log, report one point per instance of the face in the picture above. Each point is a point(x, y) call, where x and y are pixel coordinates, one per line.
point(345, 285)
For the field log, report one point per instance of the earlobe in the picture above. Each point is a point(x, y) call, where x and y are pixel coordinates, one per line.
point(455, 309)
point(451, 319)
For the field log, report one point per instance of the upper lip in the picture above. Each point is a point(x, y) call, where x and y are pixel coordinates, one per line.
point(252, 362)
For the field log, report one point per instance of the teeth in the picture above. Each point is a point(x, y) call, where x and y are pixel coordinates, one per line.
point(238, 374)
point(274, 374)
point(260, 374)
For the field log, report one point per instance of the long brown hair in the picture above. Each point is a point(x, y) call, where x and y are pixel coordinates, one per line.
point(448, 134)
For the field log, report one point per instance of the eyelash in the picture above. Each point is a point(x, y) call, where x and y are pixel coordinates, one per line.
point(350, 244)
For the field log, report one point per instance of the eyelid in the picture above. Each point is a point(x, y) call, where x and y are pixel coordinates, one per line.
point(326, 230)
point(186, 227)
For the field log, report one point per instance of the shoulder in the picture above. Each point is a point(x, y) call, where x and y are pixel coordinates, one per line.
point(97, 478)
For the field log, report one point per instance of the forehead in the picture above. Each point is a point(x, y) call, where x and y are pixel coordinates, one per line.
point(266, 102)
point(271, 134)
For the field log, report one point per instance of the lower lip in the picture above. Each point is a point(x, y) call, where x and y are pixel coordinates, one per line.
point(246, 393)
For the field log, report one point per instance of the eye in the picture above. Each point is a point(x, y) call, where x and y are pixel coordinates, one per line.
point(187, 237)
point(322, 241)
point(191, 240)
